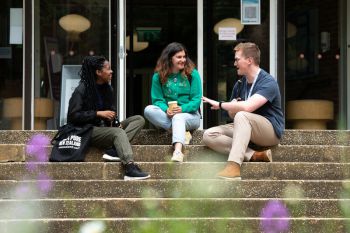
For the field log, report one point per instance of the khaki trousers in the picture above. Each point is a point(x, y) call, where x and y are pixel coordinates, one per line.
point(233, 138)
point(106, 137)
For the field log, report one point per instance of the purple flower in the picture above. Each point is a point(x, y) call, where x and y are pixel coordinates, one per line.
point(37, 147)
point(44, 183)
point(31, 166)
point(275, 217)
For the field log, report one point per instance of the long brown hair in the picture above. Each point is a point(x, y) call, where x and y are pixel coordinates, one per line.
point(164, 63)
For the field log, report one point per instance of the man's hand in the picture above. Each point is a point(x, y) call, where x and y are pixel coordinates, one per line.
point(231, 114)
point(214, 104)
point(109, 115)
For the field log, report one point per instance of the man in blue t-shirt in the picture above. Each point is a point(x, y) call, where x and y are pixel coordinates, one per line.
point(255, 108)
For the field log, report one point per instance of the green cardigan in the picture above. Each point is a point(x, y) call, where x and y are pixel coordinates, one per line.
point(188, 95)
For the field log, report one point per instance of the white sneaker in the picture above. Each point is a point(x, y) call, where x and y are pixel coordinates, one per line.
point(177, 156)
point(188, 137)
point(110, 158)
point(111, 155)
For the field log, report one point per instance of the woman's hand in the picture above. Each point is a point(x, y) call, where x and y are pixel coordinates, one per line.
point(169, 113)
point(214, 104)
point(174, 111)
point(177, 109)
point(109, 115)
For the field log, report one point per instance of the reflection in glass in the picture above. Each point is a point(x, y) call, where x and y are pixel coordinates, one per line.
point(11, 60)
point(65, 32)
point(312, 72)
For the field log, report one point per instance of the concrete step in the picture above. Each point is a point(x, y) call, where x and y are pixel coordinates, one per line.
point(307, 174)
point(162, 153)
point(166, 208)
point(316, 137)
point(155, 137)
point(61, 189)
point(178, 225)
point(311, 153)
point(281, 153)
point(170, 170)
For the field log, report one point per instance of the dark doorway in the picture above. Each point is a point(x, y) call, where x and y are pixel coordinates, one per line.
point(313, 61)
point(150, 26)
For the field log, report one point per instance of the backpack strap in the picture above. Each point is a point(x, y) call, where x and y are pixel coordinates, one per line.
point(190, 80)
point(62, 131)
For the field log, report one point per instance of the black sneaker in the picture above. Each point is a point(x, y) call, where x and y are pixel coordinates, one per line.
point(111, 155)
point(133, 172)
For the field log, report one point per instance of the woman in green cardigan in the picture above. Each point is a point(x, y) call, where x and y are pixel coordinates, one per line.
point(175, 79)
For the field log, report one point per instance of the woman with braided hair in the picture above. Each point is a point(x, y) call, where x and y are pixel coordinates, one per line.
point(92, 102)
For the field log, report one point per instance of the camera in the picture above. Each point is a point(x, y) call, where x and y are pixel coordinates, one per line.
point(116, 122)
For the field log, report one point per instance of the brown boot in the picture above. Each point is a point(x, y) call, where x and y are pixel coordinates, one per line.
point(261, 156)
point(232, 171)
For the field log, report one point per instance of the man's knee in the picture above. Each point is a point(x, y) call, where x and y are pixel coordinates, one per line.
point(240, 116)
point(205, 137)
point(208, 136)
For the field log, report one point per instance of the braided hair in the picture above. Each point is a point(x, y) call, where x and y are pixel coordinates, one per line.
point(88, 77)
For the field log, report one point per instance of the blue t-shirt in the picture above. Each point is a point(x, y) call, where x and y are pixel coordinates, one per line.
point(266, 86)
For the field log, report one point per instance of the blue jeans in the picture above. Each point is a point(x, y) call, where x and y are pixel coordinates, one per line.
point(179, 123)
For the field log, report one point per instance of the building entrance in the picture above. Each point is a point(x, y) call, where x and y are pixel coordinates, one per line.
point(313, 78)
point(150, 26)
point(11, 63)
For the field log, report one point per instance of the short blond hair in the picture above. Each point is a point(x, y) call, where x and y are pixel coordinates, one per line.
point(249, 49)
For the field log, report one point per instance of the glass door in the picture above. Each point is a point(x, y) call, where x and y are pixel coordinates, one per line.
point(219, 72)
point(150, 26)
point(11, 63)
point(65, 31)
point(313, 82)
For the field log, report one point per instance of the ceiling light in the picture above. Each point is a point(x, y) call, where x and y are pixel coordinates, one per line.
point(74, 24)
point(229, 22)
point(137, 46)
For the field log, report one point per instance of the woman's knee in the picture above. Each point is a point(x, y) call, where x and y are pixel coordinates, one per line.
point(179, 118)
point(140, 120)
point(118, 132)
point(193, 124)
point(147, 110)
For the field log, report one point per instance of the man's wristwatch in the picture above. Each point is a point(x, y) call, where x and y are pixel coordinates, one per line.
point(220, 102)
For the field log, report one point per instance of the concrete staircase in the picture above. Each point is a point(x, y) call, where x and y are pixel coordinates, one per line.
point(305, 189)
